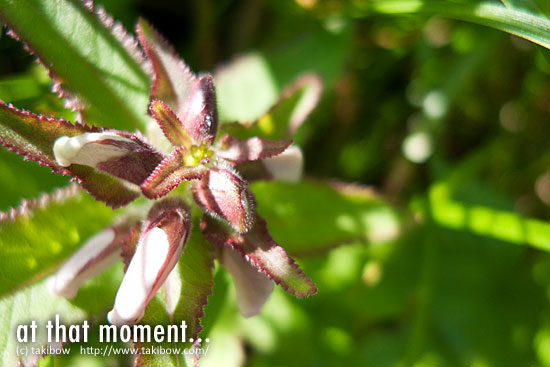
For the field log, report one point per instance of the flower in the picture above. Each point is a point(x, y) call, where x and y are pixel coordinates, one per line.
point(123, 166)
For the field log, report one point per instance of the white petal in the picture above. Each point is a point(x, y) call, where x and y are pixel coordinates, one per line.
point(287, 166)
point(152, 262)
point(98, 253)
point(252, 287)
point(77, 149)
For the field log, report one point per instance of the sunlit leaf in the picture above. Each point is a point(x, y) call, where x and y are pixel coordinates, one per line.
point(517, 22)
point(312, 216)
point(41, 233)
point(86, 57)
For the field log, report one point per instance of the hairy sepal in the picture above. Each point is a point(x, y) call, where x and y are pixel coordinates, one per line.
point(170, 173)
point(170, 125)
point(242, 150)
point(172, 79)
point(199, 113)
point(262, 252)
point(223, 194)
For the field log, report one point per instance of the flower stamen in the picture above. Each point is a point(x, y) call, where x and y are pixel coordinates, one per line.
point(196, 155)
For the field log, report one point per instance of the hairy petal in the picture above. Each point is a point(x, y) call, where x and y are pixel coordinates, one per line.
point(171, 126)
point(118, 153)
point(239, 150)
point(172, 79)
point(161, 242)
point(97, 254)
point(260, 250)
point(199, 113)
point(225, 195)
point(170, 173)
point(252, 287)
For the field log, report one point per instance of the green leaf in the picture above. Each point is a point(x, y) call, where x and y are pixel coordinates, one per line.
point(486, 221)
point(33, 303)
point(535, 6)
point(196, 269)
point(43, 232)
point(312, 216)
point(293, 106)
point(245, 88)
point(24, 180)
point(156, 315)
point(86, 57)
point(217, 301)
point(248, 86)
point(517, 22)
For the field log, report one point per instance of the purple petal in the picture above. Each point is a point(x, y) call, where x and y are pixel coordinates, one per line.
point(161, 242)
point(199, 113)
point(239, 150)
point(252, 287)
point(172, 80)
point(225, 195)
point(259, 249)
point(170, 173)
point(170, 125)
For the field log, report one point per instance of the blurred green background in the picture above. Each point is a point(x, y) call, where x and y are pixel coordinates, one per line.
point(447, 121)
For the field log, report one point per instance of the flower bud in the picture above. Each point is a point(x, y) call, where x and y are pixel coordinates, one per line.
point(160, 245)
point(98, 253)
point(122, 155)
point(89, 148)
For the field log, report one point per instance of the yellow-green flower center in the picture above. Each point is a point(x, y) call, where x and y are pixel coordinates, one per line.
point(200, 154)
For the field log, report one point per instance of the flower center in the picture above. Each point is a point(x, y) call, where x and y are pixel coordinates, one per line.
point(200, 154)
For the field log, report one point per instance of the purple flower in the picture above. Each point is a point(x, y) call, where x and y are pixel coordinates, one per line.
point(183, 106)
